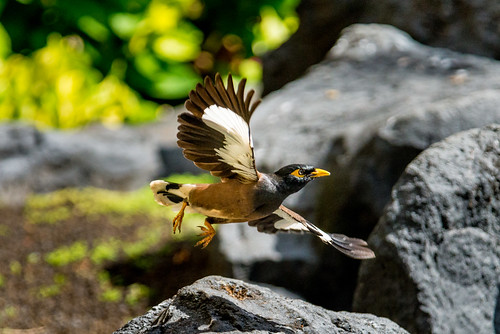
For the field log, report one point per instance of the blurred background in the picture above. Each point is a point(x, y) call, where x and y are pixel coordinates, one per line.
point(89, 95)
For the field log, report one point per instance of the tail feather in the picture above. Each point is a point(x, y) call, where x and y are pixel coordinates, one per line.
point(285, 219)
point(170, 194)
point(353, 247)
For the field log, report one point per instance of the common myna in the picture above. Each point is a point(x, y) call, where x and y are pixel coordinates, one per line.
point(215, 135)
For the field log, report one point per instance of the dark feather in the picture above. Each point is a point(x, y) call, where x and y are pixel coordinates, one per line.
point(197, 139)
point(353, 247)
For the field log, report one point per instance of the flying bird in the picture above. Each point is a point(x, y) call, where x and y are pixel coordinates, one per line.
point(215, 134)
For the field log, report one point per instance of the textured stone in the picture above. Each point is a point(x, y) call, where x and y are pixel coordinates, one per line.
point(468, 26)
point(216, 304)
point(438, 243)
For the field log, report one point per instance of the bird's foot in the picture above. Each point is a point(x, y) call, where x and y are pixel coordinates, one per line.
point(177, 222)
point(208, 233)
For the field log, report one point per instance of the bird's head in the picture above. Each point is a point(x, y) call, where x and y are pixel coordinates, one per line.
point(294, 177)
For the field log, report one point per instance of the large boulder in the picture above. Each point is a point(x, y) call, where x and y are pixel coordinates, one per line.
point(466, 26)
point(438, 243)
point(217, 304)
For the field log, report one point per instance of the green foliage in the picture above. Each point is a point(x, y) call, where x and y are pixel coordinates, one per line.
point(51, 290)
point(56, 206)
point(136, 292)
point(190, 178)
point(57, 86)
point(93, 203)
point(105, 250)
point(111, 295)
point(5, 45)
point(132, 294)
point(159, 48)
point(15, 267)
point(67, 254)
point(4, 230)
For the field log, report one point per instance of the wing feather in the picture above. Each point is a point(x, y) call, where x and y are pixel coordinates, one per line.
point(287, 220)
point(215, 132)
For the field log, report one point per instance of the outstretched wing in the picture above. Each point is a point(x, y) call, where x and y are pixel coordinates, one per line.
point(286, 220)
point(215, 133)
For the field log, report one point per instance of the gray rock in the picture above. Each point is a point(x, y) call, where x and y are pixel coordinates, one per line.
point(438, 243)
point(216, 304)
point(466, 26)
point(124, 159)
point(371, 107)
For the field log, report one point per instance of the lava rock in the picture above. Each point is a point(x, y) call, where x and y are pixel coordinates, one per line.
point(217, 304)
point(438, 243)
point(464, 26)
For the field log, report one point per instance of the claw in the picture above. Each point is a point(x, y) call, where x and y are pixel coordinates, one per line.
point(177, 221)
point(208, 233)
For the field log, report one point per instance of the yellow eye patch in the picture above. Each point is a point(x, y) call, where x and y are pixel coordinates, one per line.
point(298, 172)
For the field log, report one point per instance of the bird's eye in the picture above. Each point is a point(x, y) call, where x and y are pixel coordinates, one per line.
point(299, 172)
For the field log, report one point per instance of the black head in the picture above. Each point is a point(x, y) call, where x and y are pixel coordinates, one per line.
point(295, 177)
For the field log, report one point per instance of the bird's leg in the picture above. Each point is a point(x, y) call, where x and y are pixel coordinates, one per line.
point(208, 233)
point(177, 222)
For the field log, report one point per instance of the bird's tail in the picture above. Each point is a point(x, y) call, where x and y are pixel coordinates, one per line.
point(353, 247)
point(170, 194)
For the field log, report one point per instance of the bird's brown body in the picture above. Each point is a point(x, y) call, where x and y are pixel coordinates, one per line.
point(234, 201)
point(214, 133)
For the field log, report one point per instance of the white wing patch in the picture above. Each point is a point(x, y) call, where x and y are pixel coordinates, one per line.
point(237, 149)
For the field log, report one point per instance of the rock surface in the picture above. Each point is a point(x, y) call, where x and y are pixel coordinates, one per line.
point(438, 244)
point(122, 159)
point(465, 26)
point(216, 304)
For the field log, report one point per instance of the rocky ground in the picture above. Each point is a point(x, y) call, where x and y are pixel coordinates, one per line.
point(88, 260)
point(217, 304)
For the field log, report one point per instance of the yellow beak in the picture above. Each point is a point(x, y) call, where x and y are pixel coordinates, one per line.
point(319, 173)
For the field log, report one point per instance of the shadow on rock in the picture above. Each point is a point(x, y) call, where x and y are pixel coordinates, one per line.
point(219, 315)
point(217, 304)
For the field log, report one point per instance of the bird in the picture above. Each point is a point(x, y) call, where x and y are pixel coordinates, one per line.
point(214, 133)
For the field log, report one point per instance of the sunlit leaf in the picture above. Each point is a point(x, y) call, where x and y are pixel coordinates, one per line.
point(162, 17)
point(251, 69)
point(5, 44)
point(272, 30)
point(174, 85)
point(124, 24)
point(176, 48)
point(93, 28)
